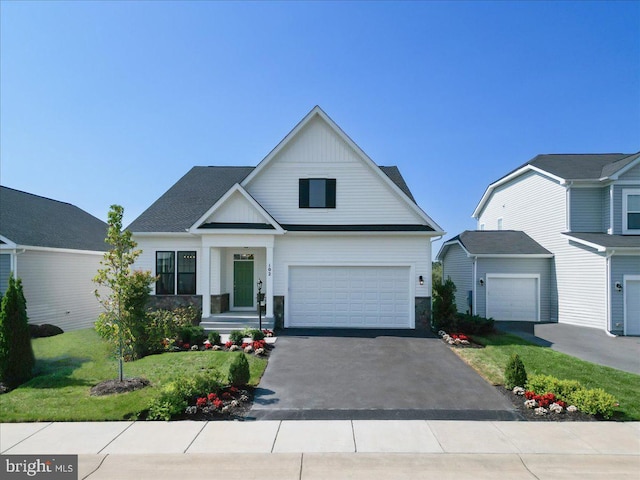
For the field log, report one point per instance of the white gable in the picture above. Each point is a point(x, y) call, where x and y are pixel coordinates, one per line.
point(236, 209)
point(316, 148)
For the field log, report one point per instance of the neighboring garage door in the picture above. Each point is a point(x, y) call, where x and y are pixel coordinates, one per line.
point(349, 297)
point(513, 297)
point(632, 305)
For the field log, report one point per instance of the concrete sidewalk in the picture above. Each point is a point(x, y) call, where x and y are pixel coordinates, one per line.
point(338, 449)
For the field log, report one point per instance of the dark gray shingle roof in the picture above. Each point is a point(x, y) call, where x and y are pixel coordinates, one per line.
point(581, 166)
point(196, 192)
point(31, 220)
point(499, 242)
point(608, 241)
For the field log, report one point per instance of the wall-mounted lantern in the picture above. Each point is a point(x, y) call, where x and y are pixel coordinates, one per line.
point(618, 286)
point(481, 282)
point(421, 280)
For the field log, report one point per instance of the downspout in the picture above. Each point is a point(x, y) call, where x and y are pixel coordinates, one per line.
point(608, 296)
point(610, 231)
point(568, 206)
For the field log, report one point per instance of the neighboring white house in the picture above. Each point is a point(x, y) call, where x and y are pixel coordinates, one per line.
point(585, 210)
point(336, 240)
point(55, 248)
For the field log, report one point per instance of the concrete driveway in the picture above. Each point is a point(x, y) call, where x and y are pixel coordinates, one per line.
point(360, 374)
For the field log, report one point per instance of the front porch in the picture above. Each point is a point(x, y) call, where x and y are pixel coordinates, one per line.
point(229, 321)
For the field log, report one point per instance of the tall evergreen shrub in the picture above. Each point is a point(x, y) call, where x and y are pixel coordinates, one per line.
point(444, 304)
point(16, 355)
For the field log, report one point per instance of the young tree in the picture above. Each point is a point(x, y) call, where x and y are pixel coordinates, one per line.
point(444, 304)
point(127, 292)
point(16, 355)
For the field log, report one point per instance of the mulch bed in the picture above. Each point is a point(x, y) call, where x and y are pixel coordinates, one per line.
point(116, 386)
point(529, 415)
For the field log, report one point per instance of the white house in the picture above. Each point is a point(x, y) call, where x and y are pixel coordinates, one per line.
point(334, 239)
point(585, 211)
point(55, 248)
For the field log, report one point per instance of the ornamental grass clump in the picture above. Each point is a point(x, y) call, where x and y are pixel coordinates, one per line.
point(515, 375)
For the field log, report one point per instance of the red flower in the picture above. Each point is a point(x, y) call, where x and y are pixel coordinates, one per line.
point(258, 344)
point(207, 346)
point(228, 344)
point(212, 397)
point(245, 344)
point(529, 395)
point(186, 345)
point(233, 390)
point(201, 402)
point(226, 396)
point(561, 403)
point(217, 403)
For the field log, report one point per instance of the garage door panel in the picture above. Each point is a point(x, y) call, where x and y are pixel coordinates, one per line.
point(349, 296)
point(513, 298)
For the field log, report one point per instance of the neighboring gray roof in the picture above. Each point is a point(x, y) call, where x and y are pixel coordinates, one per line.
point(196, 192)
point(30, 220)
point(608, 241)
point(591, 166)
point(499, 242)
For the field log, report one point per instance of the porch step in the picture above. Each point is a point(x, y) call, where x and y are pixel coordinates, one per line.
point(227, 324)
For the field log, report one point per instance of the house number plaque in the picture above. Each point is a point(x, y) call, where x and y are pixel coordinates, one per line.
point(269, 270)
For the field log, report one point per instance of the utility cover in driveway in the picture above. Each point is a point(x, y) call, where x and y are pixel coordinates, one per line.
point(349, 296)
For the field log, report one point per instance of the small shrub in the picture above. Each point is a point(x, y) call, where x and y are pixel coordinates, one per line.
point(593, 401)
point(239, 371)
point(214, 338)
point(515, 375)
point(256, 335)
point(236, 337)
point(444, 305)
point(188, 315)
point(174, 396)
point(546, 383)
point(192, 335)
point(472, 324)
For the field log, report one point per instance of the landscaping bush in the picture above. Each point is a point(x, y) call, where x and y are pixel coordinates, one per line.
point(256, 335)
point(174, 396)
point(592, 401)
point(188, 315)
point(16, 355)
point(472, 324)
point(192, 335)
point(44, 330)
point(236, 337)
point(239, 371)
point(214, 338)
point(515, 374)
point(444, 305)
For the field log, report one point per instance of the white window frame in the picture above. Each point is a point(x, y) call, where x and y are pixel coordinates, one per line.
point(625, 203)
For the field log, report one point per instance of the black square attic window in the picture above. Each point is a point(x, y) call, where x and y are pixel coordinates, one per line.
point(317, 193)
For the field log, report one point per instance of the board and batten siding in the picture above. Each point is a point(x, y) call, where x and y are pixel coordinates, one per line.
point(459, 267)
point(59, 288)
point(516, 266)
point(585, 208)
point(409, 250)
point(621, 265)
point(317, 152)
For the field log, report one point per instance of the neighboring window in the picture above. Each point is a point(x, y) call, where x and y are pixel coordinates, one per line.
point(243, 256)
point(186, 273)
point(499, 224)
point(631, 211)
point(165, 268)
point(317, 193)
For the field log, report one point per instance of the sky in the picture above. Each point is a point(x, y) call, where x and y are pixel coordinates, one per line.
point(111, 102)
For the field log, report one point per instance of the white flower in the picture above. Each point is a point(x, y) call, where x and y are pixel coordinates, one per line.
point(530, 403)
point(464, 342)
point(216, 347)
point(541, 411)
point(207, 342)
point(194, 348)
point(555, 408)
point(191, 410)
point(260, 351)
point(248, 349)
point(233, 348)
point(442, 333)
point(518, 390)
point(572, 409)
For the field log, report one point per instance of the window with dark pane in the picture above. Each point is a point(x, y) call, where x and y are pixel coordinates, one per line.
point(165, 271)
point(186, 273)
point(317, 193)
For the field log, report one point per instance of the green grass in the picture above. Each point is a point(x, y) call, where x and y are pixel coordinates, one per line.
point(68, 365)
point(491, 361)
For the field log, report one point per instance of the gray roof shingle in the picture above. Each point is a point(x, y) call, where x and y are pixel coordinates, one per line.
point(31, 220)
point(197, 191)
point(581, 166)
point(606, 240)
point(499, 242)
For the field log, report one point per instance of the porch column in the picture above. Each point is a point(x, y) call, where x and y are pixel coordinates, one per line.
point(205, 281)
point(269, 292)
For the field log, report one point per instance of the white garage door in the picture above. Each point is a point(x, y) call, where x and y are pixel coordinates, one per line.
point(353, 297)
point(632, 305)
point(512, 298)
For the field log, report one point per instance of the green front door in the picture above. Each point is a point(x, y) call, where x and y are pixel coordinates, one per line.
point(243, 284)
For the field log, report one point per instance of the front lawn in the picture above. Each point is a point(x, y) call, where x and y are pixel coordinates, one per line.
point(491, 361)
point(68, 365)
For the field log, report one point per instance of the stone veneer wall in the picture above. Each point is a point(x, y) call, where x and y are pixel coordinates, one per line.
point(169, 302)
point(278, 311)
point(423, 313)
point(220, 303)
